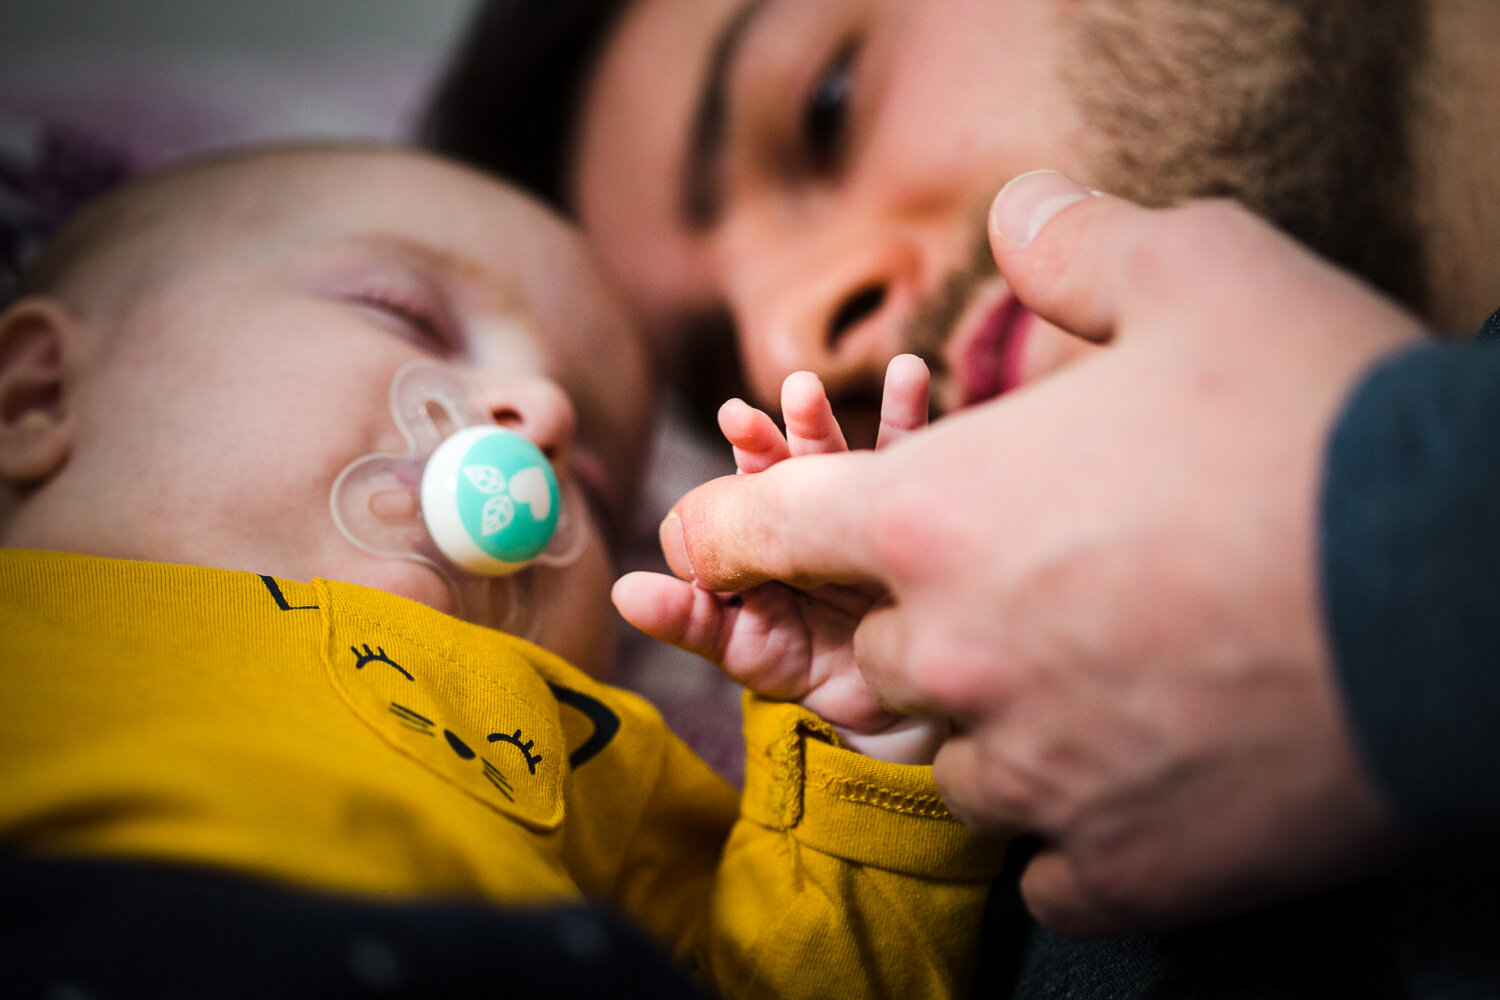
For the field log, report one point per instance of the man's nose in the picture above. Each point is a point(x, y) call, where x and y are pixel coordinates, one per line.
point(839, 311)
point(539, 409)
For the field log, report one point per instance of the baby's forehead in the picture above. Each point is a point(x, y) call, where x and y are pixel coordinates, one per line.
point(403, 208)
point(345, 193)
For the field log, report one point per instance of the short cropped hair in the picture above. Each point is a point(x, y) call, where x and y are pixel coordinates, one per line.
point(510, 98)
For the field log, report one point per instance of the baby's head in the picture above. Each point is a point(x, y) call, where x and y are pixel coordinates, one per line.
point(185, 372)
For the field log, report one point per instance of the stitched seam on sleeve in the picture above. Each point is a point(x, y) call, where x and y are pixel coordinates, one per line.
point(890, 799)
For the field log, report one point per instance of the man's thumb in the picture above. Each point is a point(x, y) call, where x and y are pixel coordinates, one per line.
point(801, 521)
point(1072, 255)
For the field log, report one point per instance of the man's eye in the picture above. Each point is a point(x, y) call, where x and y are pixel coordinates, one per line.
point(825, 116)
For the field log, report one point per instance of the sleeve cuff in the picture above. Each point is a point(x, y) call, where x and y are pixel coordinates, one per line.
point(800, 778)
point(1410, 561)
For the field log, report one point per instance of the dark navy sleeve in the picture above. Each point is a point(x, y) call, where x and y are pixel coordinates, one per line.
point(1410, 567)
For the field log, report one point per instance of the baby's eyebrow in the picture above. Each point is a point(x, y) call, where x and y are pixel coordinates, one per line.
point(417, 252)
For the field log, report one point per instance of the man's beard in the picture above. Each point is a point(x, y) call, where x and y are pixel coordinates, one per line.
point(1300, 109)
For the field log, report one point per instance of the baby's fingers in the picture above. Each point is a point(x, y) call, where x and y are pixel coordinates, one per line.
point(757, 442)
point(811, 428)
point(903, 406)
point(755, 638)
point(671, 610)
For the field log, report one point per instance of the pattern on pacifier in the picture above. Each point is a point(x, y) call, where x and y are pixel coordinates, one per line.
point(477, 503)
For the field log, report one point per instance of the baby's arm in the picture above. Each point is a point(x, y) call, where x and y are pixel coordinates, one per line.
point(780, 642)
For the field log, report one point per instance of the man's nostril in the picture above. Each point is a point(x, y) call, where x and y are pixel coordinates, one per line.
point(856, 307)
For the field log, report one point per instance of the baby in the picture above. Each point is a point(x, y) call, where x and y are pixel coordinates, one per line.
point(204, 669)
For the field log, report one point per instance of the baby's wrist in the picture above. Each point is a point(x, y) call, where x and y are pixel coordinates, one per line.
point(908, 740)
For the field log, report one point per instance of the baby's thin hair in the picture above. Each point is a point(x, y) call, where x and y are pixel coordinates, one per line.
point(131, 208)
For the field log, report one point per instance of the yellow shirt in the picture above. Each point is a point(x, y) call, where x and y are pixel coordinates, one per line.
point(338, 737)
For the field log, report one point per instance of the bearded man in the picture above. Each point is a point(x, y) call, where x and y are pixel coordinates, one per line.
point(782, 185)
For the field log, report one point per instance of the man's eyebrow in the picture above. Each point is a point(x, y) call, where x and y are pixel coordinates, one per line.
point(702, 196)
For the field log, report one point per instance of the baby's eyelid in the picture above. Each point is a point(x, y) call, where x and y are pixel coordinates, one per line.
point(417, 312)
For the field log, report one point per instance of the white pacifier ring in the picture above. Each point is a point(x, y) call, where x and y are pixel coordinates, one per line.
point(472, 500)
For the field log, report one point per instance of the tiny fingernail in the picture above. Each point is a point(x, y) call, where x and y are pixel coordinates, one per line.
point(674, 546)
point(1030, 201)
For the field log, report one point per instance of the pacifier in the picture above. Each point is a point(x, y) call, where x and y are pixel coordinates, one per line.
point(475, 501)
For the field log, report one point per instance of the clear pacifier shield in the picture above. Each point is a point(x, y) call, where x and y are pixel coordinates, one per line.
point(490, 499)
point(470, 499)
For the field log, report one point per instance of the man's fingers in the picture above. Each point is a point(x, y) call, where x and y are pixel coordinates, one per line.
point(880, 649)
point(1053, 895)
point(1047, 274)
point(804, 522)
point(1056, 896)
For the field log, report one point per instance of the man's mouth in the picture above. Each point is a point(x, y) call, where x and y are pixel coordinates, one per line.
point(987, 358)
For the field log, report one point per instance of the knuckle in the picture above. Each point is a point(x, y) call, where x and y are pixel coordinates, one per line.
point(1121, 885)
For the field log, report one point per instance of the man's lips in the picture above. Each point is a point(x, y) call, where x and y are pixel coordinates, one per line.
point(991, 362)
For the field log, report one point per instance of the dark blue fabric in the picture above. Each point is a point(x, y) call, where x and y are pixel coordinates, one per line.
point(106, 930)
point(1491, 328)
point(1411, 581)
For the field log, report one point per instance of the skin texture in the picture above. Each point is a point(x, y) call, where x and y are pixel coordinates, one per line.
point(1181, 745)
point(221, 344)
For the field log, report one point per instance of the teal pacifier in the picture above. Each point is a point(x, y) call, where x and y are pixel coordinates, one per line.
point(474, 501)
point(490, 499)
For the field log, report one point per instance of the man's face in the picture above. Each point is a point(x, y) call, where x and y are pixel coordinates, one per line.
point(816, 172)
point(820, 170)
point(256, 364)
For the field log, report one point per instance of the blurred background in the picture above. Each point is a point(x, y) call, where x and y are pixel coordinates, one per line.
point(163, 77)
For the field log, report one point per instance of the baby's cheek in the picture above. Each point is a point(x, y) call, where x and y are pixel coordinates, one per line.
point(573, 616)
point(410, 580)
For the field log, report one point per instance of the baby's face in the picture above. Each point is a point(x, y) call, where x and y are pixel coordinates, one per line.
point(257, 364)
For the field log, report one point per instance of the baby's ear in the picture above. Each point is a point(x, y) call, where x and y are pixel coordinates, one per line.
point(39, 343)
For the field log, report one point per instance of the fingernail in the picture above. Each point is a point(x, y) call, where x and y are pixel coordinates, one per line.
point(674, 546)
point(1030, 201)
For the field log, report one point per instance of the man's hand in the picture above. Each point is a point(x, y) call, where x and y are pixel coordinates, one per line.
point(1108, 580)
point(777, 640)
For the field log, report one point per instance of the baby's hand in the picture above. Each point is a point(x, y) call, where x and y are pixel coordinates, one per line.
point(785, 643)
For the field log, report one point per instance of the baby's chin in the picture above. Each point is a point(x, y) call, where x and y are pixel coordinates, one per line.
point(411, 580)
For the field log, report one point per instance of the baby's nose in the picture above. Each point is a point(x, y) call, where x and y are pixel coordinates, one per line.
point(538, 409)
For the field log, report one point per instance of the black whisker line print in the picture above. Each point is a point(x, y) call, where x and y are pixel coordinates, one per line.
point(402, 710)
point(378, 656)
point(493, 775)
